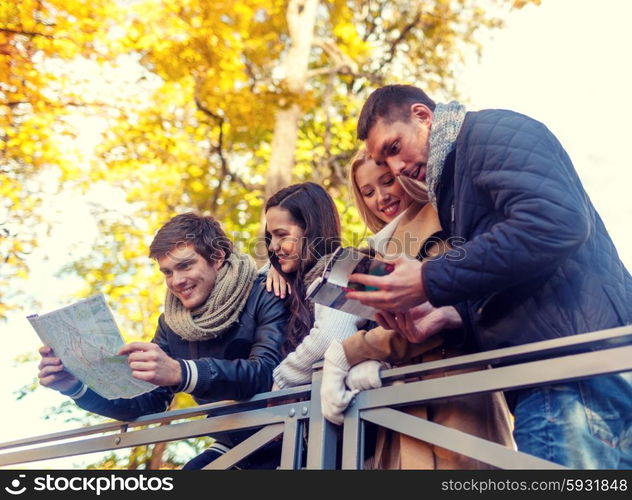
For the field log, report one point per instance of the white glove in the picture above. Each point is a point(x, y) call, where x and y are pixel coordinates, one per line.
point(334, 396)
point(364, 376)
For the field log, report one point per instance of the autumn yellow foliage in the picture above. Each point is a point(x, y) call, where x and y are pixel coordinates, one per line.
point(183, 95)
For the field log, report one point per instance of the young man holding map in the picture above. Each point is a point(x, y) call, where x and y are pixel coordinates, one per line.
point(219, 338)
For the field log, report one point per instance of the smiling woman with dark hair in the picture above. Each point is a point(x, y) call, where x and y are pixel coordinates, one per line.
point(302, 225)
point(302, 229)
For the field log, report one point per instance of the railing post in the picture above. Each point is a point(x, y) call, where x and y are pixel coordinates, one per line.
point(291, 450)
point(353, 439)
point(323, 436)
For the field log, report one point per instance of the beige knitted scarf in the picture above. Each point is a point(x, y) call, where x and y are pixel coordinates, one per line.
point(447, 120)
point(223, 306)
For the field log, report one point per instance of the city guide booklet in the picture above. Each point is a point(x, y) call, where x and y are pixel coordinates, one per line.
point(328, 289)
point(86, 338)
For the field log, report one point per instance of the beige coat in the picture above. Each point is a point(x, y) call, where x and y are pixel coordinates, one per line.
point(482, 415)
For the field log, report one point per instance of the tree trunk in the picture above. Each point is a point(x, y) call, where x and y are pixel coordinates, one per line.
point(279, 172)
point(155, 460)
point(301, 18)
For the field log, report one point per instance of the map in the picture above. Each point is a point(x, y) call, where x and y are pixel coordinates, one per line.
point(86, 338)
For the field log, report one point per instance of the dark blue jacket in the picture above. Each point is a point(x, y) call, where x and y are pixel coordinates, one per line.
point(236, 365)
point(533, 258)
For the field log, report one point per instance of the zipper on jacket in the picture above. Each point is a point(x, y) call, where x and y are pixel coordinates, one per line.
point(479, 311)
point(193, 349)
point(489, 299)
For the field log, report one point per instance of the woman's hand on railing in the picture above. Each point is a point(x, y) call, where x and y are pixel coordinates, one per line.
point(334, 395)
point(365, 375)
point(276, 388)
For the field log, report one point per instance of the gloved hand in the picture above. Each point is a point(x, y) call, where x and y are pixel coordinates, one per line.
point(334, 396)
point(364, 376)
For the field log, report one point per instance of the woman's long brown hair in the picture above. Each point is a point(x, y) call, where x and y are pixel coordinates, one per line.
point(311, 207)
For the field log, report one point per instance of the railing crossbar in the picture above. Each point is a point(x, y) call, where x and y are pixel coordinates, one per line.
point(246, 447)
point(533, 373)
point(574, 344)
point(452, 439)
point(224, 423)
point(218, 408)
point(277, 413)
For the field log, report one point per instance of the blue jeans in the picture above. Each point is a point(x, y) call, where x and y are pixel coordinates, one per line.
point(582, 425)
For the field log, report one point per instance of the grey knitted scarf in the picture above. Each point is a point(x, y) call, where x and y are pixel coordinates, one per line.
point(223, 306)
point(446, 124)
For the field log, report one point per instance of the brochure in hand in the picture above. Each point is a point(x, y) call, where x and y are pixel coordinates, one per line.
point(86, 338)
point(328, 289)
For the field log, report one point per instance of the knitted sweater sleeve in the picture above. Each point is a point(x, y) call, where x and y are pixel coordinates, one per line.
point(329, 324)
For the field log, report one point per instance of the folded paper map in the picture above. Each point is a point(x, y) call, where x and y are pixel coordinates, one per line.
point(86, 338)
point(328, 289)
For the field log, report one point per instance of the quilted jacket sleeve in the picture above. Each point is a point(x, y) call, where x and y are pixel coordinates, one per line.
point(513, 168)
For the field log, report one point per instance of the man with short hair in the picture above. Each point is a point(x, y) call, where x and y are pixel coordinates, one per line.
point(535, 260)
point(219, 337)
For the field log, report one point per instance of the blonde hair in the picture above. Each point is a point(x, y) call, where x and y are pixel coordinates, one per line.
point(417, 191)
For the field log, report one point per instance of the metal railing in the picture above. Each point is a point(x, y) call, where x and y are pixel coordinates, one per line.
point(289, 413)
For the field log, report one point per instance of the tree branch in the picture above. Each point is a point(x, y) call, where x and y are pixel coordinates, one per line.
point(372, 18)
point(340, 59)
point(401, 37)
point(325, 160)
point(219, 150)
point(25, 33)
point(376, 79)
point(62, 105)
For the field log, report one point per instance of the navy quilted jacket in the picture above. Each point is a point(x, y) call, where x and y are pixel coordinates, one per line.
point(533, 258)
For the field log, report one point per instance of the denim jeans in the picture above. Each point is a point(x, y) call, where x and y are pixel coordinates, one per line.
point(582, 425)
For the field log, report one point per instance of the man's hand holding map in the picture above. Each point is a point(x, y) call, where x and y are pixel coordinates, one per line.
point(86, 338)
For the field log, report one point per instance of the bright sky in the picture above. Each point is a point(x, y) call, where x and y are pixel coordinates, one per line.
point(565, 63)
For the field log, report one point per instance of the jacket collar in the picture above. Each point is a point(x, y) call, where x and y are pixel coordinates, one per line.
point(411, 228)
